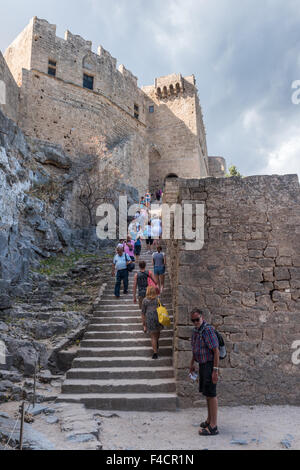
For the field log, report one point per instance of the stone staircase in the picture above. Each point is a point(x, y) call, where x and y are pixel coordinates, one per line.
point(114, 369)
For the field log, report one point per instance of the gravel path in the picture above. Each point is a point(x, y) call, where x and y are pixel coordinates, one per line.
point(261, 427)
point(255, 427)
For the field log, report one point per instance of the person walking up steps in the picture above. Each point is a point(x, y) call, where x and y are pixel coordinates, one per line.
point(137, 248)
point(141, 282)
point(148, 199)
point(129, 248)
point(142, 203)
point(159, 264)
point(149, 239)
point(150, 318)
point(119, 269)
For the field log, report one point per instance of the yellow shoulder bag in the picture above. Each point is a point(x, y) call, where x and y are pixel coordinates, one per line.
point(163, 316)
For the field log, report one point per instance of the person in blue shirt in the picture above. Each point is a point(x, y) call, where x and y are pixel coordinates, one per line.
point(119, 269)
point(137, 248)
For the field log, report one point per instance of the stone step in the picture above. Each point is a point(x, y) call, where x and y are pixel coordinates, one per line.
point(117, 307)
point(126, 302)
point(125, 402)
point(122, 327)
point(123, 334)
point(126, 342)
point(125, 351)
point(124, 373)
point(128, 298)
point(120, 362)
point(119, 386)
point(119, 319)
point(121, 313)
point(110, 289)
point(114, 369)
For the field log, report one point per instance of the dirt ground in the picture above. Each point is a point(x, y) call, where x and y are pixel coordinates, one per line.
point(259, 427)
point(241, 428)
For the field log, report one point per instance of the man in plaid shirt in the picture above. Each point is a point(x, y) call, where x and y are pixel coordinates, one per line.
point(205, 348)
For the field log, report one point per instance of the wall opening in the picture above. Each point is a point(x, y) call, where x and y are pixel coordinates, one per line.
point(88, 81)
point(52, 67)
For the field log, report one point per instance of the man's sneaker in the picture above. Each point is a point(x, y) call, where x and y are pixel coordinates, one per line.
point(155, 356)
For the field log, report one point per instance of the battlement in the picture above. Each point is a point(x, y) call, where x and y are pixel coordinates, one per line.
point(127, 74)
point(107, 57)
point(78, 44)
point(72, 60)
point(171, 85)
point(41, 25)
point(70, 94)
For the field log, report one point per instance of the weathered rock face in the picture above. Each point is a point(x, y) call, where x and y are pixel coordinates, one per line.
point(247, 280)
point(52, 315)
point(36, 204)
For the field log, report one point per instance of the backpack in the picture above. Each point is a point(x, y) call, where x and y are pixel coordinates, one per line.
point(142, 282)
point(131, 266)
point(222, 347)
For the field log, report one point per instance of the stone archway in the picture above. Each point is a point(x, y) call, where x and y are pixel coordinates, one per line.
point(170, 177)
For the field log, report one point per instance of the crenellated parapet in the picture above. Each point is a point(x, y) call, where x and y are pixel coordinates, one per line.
point(70, 94)
point(127, 74)
point(169, 86)
point(78, 41)
point(71, 60)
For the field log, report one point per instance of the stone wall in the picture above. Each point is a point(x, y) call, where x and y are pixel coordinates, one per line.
point(166, 119)
point(59, 110)
point(247, 280)
point(9, 92)
point(77, 116)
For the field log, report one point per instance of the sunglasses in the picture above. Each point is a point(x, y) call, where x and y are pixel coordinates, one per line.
point(195, 320)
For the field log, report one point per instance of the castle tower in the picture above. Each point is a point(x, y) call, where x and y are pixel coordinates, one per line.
point(69, 95)
point(175, 130)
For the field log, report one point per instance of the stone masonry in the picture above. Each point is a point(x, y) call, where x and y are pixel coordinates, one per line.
point(247, 276)
point(247, 280)
point(164, 121)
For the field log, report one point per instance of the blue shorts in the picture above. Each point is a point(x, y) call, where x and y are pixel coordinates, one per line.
point(159, 270)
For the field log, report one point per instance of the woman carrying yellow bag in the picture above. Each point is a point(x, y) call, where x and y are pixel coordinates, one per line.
point(150, 318)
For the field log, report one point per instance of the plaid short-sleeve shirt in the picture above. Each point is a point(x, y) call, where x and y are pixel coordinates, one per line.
point(204, 340)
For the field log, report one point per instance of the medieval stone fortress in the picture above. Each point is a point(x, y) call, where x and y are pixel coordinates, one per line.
point(66, 94)
point(59, 96)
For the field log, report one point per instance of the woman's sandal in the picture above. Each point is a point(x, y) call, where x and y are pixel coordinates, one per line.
point(209, 431)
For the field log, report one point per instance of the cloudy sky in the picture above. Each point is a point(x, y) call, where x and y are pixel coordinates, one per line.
point(245, 56)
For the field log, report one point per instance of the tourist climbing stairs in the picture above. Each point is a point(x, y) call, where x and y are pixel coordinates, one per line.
point(114, 369)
